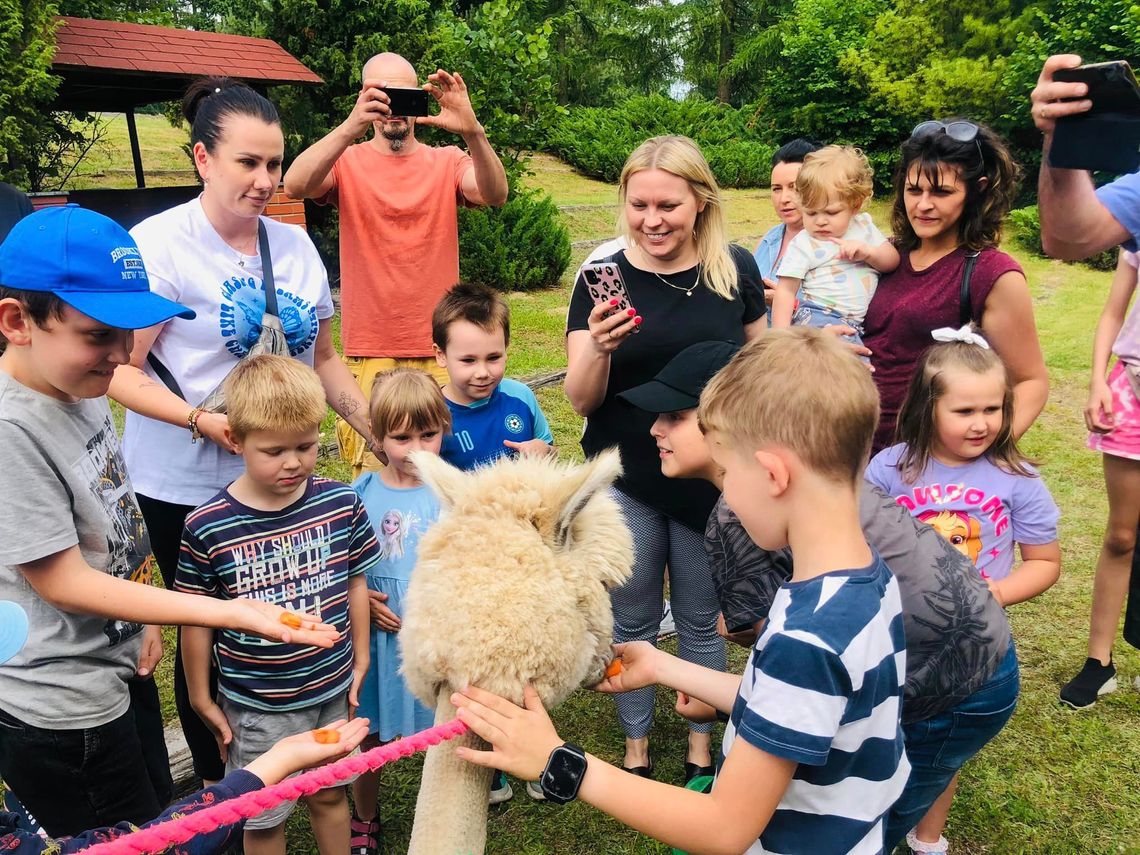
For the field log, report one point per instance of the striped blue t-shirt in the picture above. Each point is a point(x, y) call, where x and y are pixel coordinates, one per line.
point(823, 687)
point(299, 558)
point(478, 429)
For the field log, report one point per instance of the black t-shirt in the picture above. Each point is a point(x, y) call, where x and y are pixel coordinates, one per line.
point(670, 323)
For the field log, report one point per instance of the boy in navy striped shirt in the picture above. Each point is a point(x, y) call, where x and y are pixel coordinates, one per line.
point(812, 757)
point(281, 535)
point(491, 416)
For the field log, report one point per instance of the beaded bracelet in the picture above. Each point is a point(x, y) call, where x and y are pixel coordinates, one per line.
point(192, 424)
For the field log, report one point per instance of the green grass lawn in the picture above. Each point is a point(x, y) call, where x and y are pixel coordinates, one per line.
point(1054, 781)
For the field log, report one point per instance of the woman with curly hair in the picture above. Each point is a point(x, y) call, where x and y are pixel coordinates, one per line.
point(953, 190)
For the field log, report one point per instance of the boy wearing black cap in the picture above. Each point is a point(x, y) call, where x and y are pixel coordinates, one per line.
point(72, 541)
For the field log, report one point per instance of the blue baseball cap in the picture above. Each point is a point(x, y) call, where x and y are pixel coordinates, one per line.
point(13, 629)
point(87, 260)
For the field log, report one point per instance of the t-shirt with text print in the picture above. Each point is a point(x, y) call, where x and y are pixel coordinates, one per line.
point(978, 506)
point(478, 429)
point(300, 558)
point(186, 260)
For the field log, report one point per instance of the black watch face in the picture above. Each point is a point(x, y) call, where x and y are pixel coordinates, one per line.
point(563, 774)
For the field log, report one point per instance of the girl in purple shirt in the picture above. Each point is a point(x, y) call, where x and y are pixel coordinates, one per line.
point(957, 468)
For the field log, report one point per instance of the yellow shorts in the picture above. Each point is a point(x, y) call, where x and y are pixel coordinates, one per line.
point(364, 370)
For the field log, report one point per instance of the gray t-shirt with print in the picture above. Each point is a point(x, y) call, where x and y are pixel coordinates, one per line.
point(64, 484)
point(956, 632)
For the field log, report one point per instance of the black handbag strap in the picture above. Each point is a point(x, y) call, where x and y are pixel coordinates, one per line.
point(163, 373)
point(267, 269)
point(965, 309)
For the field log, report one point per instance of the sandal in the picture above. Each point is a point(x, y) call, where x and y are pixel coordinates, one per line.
point(364, 836)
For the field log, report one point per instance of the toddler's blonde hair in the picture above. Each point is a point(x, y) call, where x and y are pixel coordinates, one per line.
point(839, 172)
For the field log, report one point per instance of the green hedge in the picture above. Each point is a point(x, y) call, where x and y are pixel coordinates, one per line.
point(597, 140)
point(522, 246)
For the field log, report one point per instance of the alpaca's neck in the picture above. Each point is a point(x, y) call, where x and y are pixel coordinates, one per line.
point(451, 811)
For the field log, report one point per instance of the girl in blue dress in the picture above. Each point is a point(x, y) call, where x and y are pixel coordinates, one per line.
point(408, 413)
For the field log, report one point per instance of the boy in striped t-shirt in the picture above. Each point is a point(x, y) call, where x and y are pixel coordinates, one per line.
point(812, 757)
point(280, 535)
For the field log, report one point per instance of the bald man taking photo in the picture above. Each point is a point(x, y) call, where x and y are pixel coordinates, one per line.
point(398, 201)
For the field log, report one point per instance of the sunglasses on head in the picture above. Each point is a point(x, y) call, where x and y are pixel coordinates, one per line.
point(960, 131)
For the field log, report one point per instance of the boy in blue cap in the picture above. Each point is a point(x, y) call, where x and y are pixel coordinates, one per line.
point(73, 547)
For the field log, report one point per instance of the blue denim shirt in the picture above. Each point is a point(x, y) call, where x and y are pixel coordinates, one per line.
point(768, 250)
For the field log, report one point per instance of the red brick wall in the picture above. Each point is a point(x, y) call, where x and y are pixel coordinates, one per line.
point(284, 208)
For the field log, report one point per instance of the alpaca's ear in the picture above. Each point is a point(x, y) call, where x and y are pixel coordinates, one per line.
point(589, 479)
point(443, 478)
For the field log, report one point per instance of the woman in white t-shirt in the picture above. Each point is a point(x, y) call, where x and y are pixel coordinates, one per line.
point(206, 252)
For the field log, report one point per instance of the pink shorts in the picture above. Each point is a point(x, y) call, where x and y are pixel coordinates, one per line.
point(1124, 439)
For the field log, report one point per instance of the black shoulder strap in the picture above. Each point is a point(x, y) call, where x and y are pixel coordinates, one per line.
point(164, 375)
point(266, 269)
point(965, 309)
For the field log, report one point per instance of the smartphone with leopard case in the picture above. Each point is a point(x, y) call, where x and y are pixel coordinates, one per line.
point(605, 284)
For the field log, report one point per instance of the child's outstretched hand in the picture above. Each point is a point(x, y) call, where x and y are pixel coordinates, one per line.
point(381, 616)
point(692, 709)
point(522, 737)
point(638, 668)
point(277, 624)
point(303, 750)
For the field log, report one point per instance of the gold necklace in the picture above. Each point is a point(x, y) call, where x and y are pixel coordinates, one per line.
point(688, 291)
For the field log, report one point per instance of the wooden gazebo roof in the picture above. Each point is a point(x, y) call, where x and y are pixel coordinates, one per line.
point(112, 66)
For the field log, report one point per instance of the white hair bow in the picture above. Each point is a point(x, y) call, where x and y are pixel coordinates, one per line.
point(964, 333)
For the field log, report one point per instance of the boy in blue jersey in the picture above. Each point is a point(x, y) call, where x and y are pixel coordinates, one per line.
point(490, 415)
point(279, 534)
point(812, 757)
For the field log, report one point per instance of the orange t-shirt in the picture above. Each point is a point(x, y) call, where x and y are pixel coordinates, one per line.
point(399, 244)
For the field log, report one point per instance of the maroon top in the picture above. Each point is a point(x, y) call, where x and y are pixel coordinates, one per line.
point(907, 306)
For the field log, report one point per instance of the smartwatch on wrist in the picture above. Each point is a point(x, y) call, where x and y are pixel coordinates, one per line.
point(563, 774)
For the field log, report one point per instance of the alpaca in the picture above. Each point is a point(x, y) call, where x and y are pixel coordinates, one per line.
point(511, 585)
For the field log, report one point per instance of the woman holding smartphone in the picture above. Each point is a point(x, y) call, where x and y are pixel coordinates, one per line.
point(685, 284)
point(206, 251)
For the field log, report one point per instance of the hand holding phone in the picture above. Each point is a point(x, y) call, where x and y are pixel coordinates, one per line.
point(1106, 137)
point(605, 284)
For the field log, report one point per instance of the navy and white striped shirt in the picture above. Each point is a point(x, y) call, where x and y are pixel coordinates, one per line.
point(823, 687)
point(300, 558)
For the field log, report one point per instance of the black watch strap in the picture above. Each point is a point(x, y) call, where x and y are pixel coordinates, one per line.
point(563, 774)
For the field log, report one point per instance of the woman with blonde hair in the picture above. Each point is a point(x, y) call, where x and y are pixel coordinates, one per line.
point(686, 284)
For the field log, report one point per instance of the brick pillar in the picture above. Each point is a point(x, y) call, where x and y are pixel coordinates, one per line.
point(286, 209)
point(48, 200)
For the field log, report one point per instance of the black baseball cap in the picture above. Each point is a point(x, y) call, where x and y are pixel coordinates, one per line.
point(679, 384)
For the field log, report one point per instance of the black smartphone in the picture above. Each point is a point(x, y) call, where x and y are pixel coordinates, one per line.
point(406, 102)
point(1112, 86)
point(1107, 137)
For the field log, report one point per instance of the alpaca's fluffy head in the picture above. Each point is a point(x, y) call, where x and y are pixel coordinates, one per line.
point(511, 584)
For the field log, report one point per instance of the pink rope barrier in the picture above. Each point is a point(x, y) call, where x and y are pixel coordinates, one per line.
point(161, 837)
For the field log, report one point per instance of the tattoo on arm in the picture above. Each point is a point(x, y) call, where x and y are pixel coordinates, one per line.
point(346, 406)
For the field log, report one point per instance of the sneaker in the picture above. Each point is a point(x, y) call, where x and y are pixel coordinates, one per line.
point(534, 790)
point(921, 847)
point(500, 789)
point(1094, 680)
point(668, 625)
point(364, 836)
